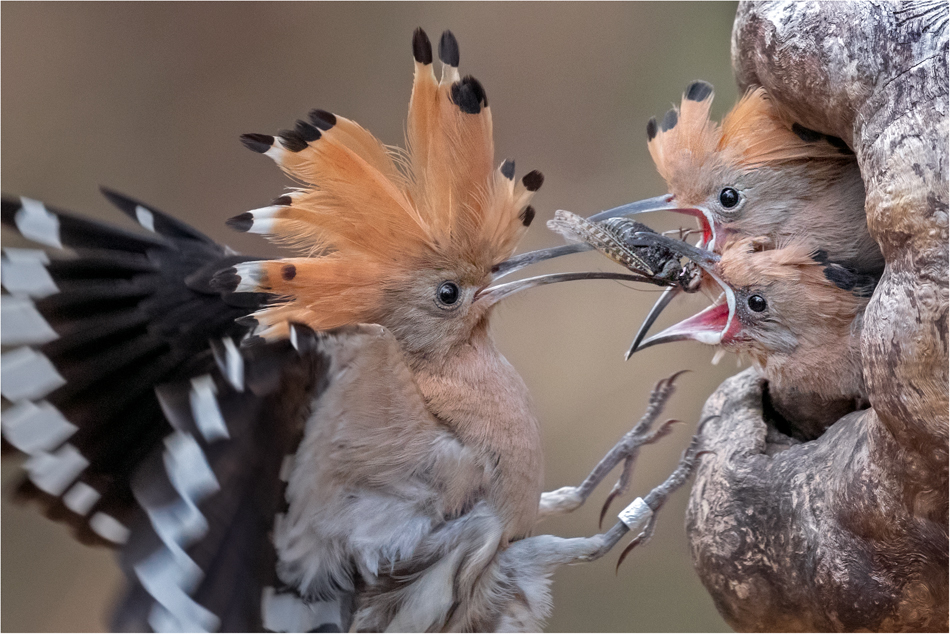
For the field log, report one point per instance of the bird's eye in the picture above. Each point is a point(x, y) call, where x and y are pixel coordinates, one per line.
point(757, 303)
point(448, 293)
point(728, 198)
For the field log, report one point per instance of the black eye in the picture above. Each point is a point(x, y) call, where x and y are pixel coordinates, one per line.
point(757, 303)
point(448, 293)
point(728, 198)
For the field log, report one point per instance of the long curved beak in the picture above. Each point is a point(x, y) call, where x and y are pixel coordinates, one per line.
point(658, 308)
point(665, 202)
point(519, 262)
point(708, 326)
point(696, 254)
point(495, 294)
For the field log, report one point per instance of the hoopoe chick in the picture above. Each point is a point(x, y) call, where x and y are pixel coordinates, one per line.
point(758, 173)
point(793, 313)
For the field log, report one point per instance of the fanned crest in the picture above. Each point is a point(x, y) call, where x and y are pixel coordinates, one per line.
point(754, 134)
point(366, 217)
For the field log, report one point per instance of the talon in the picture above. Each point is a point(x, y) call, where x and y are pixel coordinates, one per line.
point(633, 544)
point(702, 426)
point(620, 487)
point(672, 378)
point(661, 432)
point(603, 511)
point(642, 538)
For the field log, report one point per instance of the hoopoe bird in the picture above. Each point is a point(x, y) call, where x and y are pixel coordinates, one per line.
point(757, 174)
point(793, 313)
point(351, 450)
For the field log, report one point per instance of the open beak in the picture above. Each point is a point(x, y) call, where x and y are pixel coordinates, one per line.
point(709, 326)
point(495, 294)
point(666, 202)
point(658, 307)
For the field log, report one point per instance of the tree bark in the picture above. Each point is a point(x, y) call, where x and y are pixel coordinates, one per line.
point(848, 531)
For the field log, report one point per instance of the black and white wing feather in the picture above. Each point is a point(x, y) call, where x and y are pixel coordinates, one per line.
point(200, 556)
point(89, 329)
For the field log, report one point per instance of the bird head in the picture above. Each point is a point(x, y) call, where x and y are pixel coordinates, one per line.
point(409, 239)
point(758, 173)
point(777, 301)
point(741, 177)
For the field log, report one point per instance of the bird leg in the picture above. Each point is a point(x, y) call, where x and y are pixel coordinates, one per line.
point(570, 498)
point(639, 518)
point(623, 482)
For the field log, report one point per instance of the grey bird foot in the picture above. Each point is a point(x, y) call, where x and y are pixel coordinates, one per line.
point(640, 516)
point(570, 498)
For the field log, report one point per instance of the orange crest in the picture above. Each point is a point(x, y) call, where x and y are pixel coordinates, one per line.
point(366, 215)
point(753, 134)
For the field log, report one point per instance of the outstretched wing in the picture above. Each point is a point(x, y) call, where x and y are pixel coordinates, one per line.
point(200, 552)
point(89, 330)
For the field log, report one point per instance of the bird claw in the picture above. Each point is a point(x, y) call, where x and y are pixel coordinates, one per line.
point(567, 499)
point(623, 482)
point(620, 487)
point(642, 538)
point(661, 393)
point(641, 435)
point(658, 496)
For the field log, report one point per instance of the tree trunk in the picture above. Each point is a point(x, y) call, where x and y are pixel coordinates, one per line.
point(848, 531)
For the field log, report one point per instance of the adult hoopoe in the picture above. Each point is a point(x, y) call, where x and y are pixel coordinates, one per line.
point(756, 174)
point(382, 473)
point(791, 311)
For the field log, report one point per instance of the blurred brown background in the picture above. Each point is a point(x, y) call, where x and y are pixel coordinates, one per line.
point(150, 99)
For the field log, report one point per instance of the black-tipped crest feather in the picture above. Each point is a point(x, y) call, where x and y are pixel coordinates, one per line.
point(322, 119)
point(421, 47)
point(259, 143)
point(449, 49)
point(669, 120)
point(699, 90)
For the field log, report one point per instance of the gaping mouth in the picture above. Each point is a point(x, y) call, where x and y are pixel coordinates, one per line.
point(709, 237)
point(709, 326)
point(666, 202)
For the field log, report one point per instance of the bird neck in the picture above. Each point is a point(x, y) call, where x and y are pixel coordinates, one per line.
point(829, 368)
point(477, 393)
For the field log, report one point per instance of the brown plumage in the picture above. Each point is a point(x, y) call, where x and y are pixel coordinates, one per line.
point(791, 312)
point(787, 182)
point(370, 220)
point(409, 240)
point(757, 174)
point(377, 463)
point(383, 232)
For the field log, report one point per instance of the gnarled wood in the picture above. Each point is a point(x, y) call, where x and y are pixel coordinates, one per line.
point(848, 531)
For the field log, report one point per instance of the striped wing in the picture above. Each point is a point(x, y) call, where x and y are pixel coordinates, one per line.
point(89, 329)
point(200, 553)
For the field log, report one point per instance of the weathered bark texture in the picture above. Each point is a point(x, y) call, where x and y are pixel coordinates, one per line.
point(849, 531)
